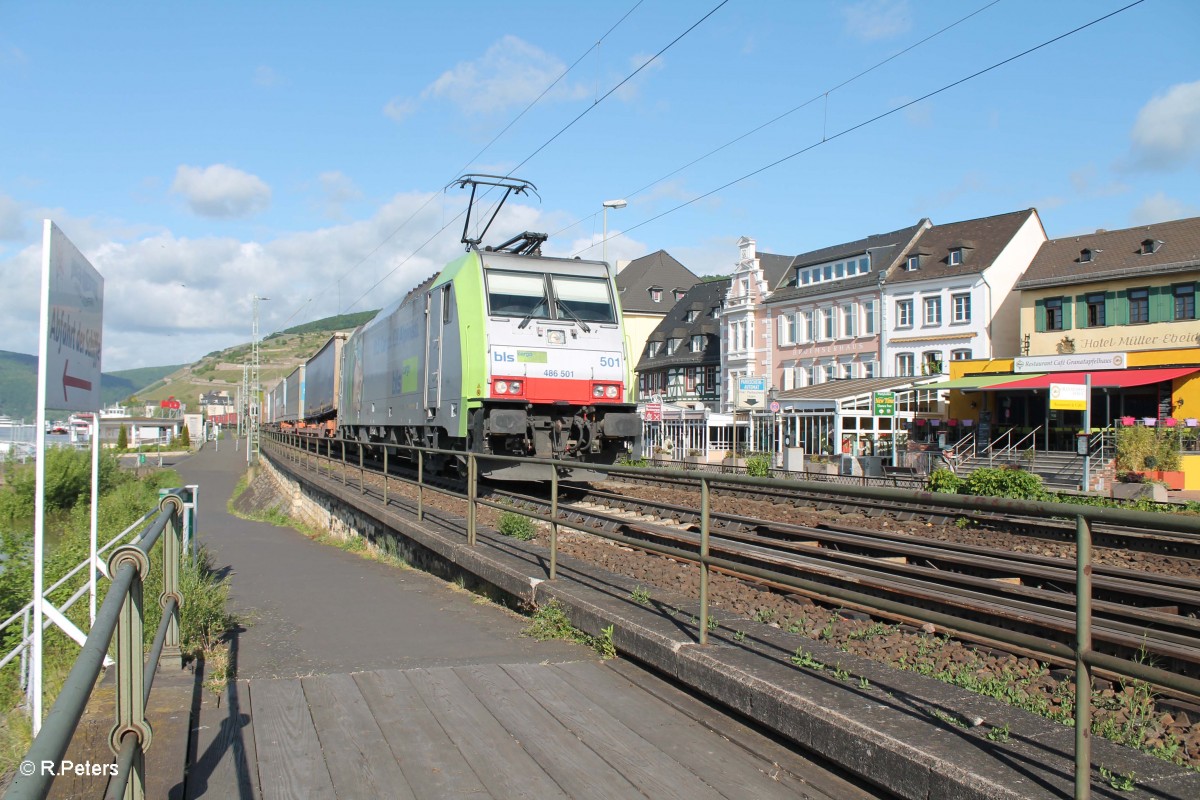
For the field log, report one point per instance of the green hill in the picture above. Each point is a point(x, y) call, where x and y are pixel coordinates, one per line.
point(220, 370)
point(18, 383)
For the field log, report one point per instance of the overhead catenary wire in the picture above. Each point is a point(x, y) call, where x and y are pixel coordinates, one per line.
point(866, 122)
point(784, 115)
point(545, 144)
point(484, 149)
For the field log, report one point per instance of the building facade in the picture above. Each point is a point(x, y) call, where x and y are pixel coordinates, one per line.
point(681, 362)
point(826, 315)
point(951, 298)
point(649, 288)
point(747, 341)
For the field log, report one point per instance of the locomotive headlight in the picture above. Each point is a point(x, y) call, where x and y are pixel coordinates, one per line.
point(500, 387)
point(514, 387)
point(610, 392)
point(554, 336)
point(597, 391)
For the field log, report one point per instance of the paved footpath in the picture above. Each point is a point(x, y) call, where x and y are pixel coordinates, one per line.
point(313, 609)
point(360, 680)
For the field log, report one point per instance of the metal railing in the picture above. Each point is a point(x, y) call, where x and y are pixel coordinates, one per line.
point(1013, 447)
point(1084, 657)
point(122, 614)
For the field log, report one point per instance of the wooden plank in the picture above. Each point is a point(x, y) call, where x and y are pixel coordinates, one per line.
point(359, 760)
point(290, 762)
point(645, 766)
point(432, 765)
point(503, 766)
point(577, 769)
point(730, 768)
point(223, 760)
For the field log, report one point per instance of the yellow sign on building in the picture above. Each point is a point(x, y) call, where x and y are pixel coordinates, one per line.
point(1068, 397)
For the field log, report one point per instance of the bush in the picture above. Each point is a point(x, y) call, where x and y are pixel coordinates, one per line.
point(944, 481)
point(517, 526)
point(123, 438)
point(185, 438)
point(758, 465)
point(1015, 484)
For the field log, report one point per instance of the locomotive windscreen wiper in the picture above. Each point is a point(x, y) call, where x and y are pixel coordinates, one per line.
point(573, 315)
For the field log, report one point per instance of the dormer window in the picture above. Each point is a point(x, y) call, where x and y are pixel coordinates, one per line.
point(1085, 256)
point(672, 346)
point(691, 315)
point(1150, 246)
point(656, 295)
point(679, 293)
point(715, 313)
point(956, 257)
point(913, 263)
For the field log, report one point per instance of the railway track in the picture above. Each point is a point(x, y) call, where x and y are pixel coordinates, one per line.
point(1136, 614)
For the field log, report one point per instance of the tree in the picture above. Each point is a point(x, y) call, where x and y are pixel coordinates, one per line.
point(185, 438)
point(123, 438)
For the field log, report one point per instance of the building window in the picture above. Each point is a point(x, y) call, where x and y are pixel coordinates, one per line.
point(830, 372)
point(810, 375)
point(1150, 246)
point(1095, 310)
point(931, 362)
point(933, 311)
point(697, 344)
point(679, 293)
point(848, 370)
point(810, 326)
point(1139, 306)
point(1085, 256)
point(1054, 314)
point(691, 316)
point(904, 365)
point(960, 355)
point(830, 323)
point(912, 264)
point(715, 312)
point(869, 322)
point(962, 308)
point(1185, 300)
point(870, 369)
point(672, 346)
point(849, 321)
point(656, 295)
point(904, 313)
point(956, 256)
point(788, 333)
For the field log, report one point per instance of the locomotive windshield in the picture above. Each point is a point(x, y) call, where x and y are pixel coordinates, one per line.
point(524, 294)
point(517, 294)
point(583, 298)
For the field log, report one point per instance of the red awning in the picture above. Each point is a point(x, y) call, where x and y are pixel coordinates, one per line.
point(1103, 379)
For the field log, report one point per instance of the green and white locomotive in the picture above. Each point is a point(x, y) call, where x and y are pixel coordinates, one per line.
point(504, 351)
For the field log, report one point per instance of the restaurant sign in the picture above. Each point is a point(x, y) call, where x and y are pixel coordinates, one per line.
point(1070, 362)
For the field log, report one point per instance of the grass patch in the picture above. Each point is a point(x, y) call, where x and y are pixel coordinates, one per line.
point(518, 526)
point(550, 622)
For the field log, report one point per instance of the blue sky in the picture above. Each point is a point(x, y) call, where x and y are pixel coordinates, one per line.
point(200, 154)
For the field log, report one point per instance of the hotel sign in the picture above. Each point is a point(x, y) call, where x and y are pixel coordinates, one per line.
point(1072, 362)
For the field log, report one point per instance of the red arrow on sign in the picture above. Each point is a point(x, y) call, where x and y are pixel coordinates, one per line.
point(76, 383)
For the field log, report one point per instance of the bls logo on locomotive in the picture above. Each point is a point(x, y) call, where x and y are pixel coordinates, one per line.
point(504, 358)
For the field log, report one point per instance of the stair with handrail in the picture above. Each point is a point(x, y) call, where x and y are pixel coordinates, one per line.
point(1058, 469)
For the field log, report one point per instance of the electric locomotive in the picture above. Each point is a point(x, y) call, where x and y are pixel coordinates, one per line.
point(504, 351)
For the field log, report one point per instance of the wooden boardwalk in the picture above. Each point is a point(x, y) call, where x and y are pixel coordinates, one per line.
point(578, 729)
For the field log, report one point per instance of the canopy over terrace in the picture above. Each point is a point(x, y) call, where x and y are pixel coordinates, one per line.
point(838, 417)
point(1021, 402)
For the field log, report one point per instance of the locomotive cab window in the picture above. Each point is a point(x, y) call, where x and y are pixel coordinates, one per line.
point(517, 294)
point(583, 298)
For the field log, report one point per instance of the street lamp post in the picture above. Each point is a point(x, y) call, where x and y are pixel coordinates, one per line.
point(607, 205)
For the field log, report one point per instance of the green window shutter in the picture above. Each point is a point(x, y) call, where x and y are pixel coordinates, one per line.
point(1120, 307)
point(1039, 316)
point(1162, 303)
point(1081, 310)
point(1066, 312)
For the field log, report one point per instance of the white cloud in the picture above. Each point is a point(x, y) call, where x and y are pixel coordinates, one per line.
point(221, 191)
point(12, 223)
point(1166, 133)
point(399, 109)
point(266, 77)
point(1160, 208)
point(337, 189)
point(510, 74)
point(872, 20)
point(171, 299)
